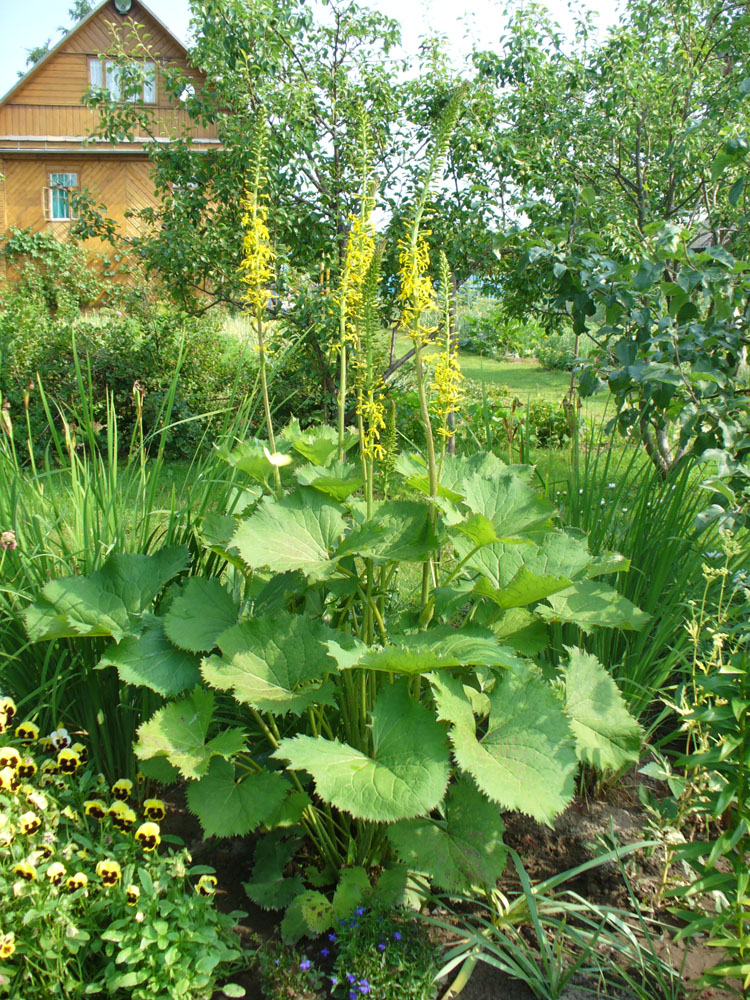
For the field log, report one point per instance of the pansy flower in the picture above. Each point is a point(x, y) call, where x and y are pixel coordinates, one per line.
point(122, 789)
point(29, 823)
point(48, 769)
point(109, 872)
point(148, 836)
point(122, 815)
point(95, 808)
point(82, 751)
point(154, 809)
point(7, 945)
point(206, 885)
point(56, 873)
point(27, 732)
point(77, 881)
point(25, 871)
point(9, 780)
point(9, 757)
point(68, 761)
point(35, 798)
point(132, 895)
point(7, 713)
point(59, 738)
point(27, 768)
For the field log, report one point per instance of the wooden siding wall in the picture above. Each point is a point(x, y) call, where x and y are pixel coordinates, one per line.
point(48, 103)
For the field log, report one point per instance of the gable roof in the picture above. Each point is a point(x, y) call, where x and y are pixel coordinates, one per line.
point(74, 31)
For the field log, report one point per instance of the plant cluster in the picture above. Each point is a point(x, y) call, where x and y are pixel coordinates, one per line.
point(90, 907)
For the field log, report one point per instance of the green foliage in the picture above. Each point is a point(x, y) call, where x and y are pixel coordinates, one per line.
point(87, 908)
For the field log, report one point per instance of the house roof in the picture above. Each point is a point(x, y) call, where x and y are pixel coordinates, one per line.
point(74, 31)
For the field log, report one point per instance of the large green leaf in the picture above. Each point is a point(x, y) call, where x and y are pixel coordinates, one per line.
point(109, 602)
point(198, 616)
point(276, 663)
point(526, 760)
point(268, 885)
point(438, 647)
point(228, 807)
point(251, 458)
point(338, 480)
point(300, 531)
point(150, 660)
point(522, 631)
point(405, 776)
point(591, 603)
point(317, 444)
point(524, 589)
point(463, 850)
point(310, 914)
point(398, 530)
point(178, 732)
point(512, 506)
point(607, 736)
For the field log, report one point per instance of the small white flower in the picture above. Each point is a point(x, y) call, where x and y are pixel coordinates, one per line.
point(277, 458)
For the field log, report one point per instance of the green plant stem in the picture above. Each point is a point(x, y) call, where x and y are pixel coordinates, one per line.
point(342, 383)
point(431, 466)
point(266, 399)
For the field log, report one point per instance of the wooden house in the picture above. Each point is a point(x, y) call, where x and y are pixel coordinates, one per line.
point(45, 150)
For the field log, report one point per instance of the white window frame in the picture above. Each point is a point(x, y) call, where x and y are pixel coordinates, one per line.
point(62, 180)
point(106, 73)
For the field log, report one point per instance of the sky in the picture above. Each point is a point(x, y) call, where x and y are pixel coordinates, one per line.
point(28, 23)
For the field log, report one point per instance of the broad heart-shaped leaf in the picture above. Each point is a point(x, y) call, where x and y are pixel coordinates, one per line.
point(353, 887)
point(300, 531)
point(316, 444)
point(607, 736)
point(178, 732)
point(276, 663)
point(406, 775)
point(512, 506)
point(438, 647)
point(150, 660)
point(109, 602)
point(198, 616)
point(463, 850)
point(524, 589)
point(227, 807)
point(251, 458)
point(522, 631)
point(338, 480)
point(398, 530)
point(590, 604)
point(526, 759)
point(268, 886)
point(309, 913)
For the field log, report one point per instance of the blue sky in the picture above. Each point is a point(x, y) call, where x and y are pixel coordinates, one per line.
point(27, 23)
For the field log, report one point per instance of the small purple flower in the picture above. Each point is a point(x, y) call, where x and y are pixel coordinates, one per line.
point(359, 911)
point(352, 995)
point(381, 946)
point(364, 986)
point(332, 937)
point(350, 977)
point(304, 964)
point(397, 935)
point(325, 952)
point(334, 980)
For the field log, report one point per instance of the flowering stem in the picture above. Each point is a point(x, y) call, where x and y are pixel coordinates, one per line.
point(266, 401)
point(431, 466)
point(342, 384)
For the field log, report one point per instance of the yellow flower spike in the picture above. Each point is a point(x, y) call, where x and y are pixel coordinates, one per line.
point(122, 789)
point(7, 945)
point(132, 895)
point(9, 757)
point(27, 768)
point(446, 384)
point(416, 294)
point(9, 779)
point(56, 873)
point(95, 808)
point(25, 871)
point(122, 815)
point(360, 250)
point(68, 761)
point(154, 809)
point(78, 881)
point(29, 823)
point(206, 885)
point(109, 872)
point(256, 268)
point(148, 836)
point(27, 732)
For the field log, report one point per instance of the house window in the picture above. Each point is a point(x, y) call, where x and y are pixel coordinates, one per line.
point(140, 82)
point(60, 186)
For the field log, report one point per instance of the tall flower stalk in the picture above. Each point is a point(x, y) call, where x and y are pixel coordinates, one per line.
point(257, 273)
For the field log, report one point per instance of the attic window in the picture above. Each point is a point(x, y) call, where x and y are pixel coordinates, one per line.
point(60, 186)
point(139, 82)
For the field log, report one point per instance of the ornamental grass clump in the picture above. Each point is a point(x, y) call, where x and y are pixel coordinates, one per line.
point(89, 905)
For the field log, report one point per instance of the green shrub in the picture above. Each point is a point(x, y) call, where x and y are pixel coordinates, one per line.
point(90, 907)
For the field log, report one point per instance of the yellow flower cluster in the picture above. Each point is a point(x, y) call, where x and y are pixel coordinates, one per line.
point(416, 293)
point(256, 269)
point(371, 409)
point(448, 392)
point(360, 250)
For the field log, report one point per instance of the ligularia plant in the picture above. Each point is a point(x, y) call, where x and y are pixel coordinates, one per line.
point(308, 698)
